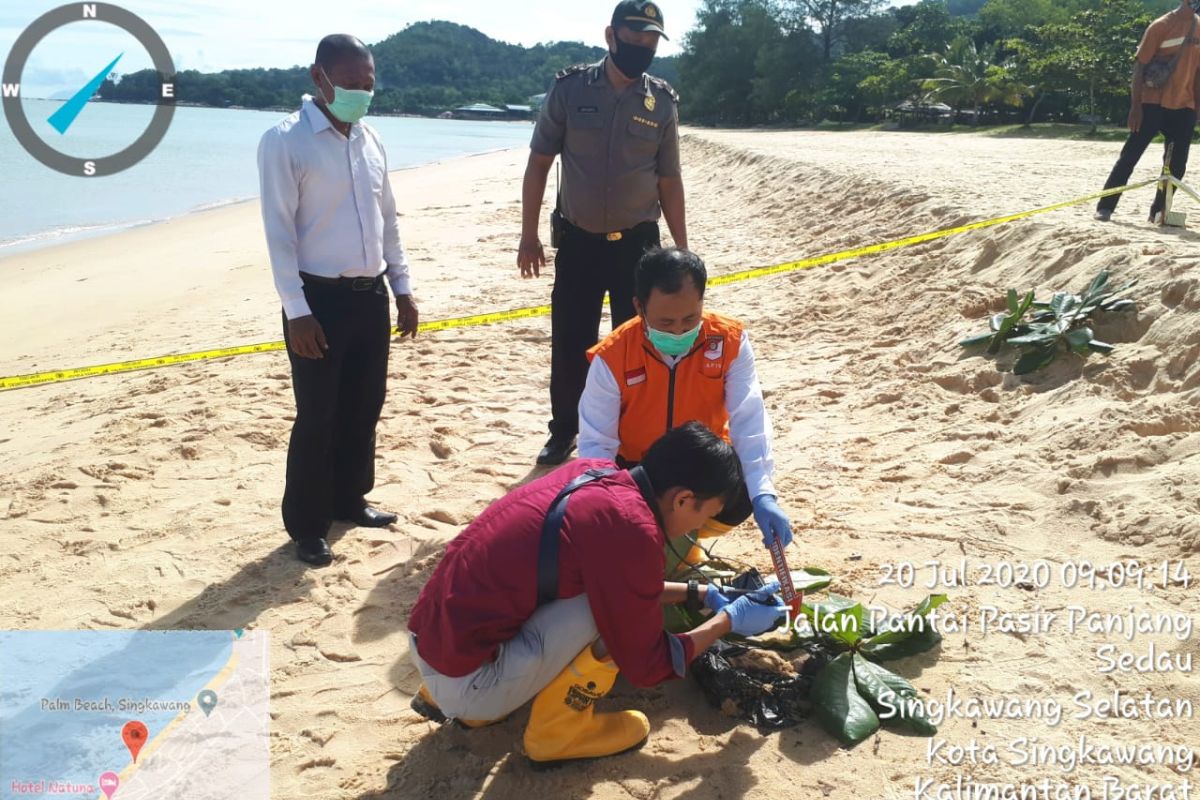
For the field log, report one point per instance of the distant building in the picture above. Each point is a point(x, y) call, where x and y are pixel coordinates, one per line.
point(482, 111)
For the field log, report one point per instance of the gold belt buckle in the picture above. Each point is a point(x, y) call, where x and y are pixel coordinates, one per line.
point(615, 237)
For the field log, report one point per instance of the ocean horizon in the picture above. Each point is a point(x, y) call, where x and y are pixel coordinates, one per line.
point(207, 160)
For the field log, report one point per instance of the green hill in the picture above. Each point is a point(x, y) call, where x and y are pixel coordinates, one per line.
point(426, 68)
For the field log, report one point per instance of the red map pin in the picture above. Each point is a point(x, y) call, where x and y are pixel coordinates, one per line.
point(134, 733)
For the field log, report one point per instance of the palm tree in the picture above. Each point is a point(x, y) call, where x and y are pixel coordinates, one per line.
point(966, 76)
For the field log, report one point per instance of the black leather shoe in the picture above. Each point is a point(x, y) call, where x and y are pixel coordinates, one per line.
point(315, 552)
point(556, 450)
point(370, 518)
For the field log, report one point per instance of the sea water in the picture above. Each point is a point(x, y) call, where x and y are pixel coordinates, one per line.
point(207, 159)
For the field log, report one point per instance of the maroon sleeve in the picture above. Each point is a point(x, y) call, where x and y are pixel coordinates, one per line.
point(622, 563)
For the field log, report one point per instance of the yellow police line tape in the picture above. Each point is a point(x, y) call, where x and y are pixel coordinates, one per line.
point(43, 378)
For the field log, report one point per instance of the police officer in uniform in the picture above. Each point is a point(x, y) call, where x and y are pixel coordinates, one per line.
point(617, 131)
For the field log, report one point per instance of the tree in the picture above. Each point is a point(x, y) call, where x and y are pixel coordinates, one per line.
point(830, 18)
point(720, 60)
point(1090, 56)
point(965, 75)
point(1004, 18)
point(926, 27)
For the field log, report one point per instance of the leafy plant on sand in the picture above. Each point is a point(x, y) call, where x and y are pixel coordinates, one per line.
point(1059, 325)
point(854, 689)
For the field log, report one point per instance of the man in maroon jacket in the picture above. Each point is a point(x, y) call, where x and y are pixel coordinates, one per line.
point(557, 586)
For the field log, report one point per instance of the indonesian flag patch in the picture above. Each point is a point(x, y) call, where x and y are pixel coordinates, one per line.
point(635, 376)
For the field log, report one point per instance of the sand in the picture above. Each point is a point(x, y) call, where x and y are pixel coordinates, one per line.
point(151, 500)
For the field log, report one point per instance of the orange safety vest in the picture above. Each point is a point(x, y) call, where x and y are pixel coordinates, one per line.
point(656, 398)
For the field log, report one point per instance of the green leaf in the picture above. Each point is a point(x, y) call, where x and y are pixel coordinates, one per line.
point(1026, 304)
point(1035, 359)
point(1014, 304)
point(928, 605)
point(1035, 339)
point(1097, 284)
point(1064, 303)
point(976, 340)
point(1119, 305)
point(1100, 347)
point(997, 322)
point(1078, 339)
point(838, 618)
point(839, 706)
point(895, 632)
point(810, 579)
point(889, 696)
point(915, 643)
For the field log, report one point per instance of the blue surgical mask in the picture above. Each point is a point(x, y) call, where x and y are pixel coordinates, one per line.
point(349, 105)
point(673, 344)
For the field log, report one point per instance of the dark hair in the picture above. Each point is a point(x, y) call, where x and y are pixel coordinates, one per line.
point(665, 269)
point(694, 458)
point(338, 48)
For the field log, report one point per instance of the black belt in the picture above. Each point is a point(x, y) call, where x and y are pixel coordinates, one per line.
point(359, 284)
point(642, 228)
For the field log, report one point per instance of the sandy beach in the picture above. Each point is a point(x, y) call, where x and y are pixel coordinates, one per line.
point(150, 500)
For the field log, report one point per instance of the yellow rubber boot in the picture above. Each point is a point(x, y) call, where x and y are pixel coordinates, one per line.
point(564, 727)
point(424, 705)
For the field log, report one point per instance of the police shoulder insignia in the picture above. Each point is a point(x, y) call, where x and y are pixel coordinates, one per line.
point(571, 70)
point(659, 83)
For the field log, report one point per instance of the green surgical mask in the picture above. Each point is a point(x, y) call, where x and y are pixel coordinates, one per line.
point(673, 344)
point(349, 105)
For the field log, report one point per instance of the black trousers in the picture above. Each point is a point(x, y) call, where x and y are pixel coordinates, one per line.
point(1174, 124)
point(331, 458)
point(585, 267)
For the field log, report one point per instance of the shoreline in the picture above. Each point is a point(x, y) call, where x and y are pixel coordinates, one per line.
point(46, 240)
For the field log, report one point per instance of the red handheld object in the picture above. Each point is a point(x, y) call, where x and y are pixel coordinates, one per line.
point(793, 598)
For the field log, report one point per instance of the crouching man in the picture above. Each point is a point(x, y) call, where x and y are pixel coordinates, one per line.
point(557, 586)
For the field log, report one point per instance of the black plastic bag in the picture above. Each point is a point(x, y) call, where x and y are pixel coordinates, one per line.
point(771, 698)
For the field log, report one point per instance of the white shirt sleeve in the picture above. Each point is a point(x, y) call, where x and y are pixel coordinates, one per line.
point(749, 426)
point(600, 413)
point(280, 189)
point(393, 250)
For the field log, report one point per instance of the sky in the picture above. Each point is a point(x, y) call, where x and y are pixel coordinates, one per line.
point(212, 35)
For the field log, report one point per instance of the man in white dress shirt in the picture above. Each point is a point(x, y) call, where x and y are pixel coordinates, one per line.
point(676, 363)
point(330, 219)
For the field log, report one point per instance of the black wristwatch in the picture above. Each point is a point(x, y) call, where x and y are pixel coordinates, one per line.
point(693, 603)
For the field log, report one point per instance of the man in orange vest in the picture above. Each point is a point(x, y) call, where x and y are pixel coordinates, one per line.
point(676, 363)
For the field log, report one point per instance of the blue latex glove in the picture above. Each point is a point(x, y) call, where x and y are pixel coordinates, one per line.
point(713, 599)
point(772, 521)
point(716, 600)
point(750, 617)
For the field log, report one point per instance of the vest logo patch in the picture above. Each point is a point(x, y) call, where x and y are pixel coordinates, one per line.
point(714, 349)
point(635, 376)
